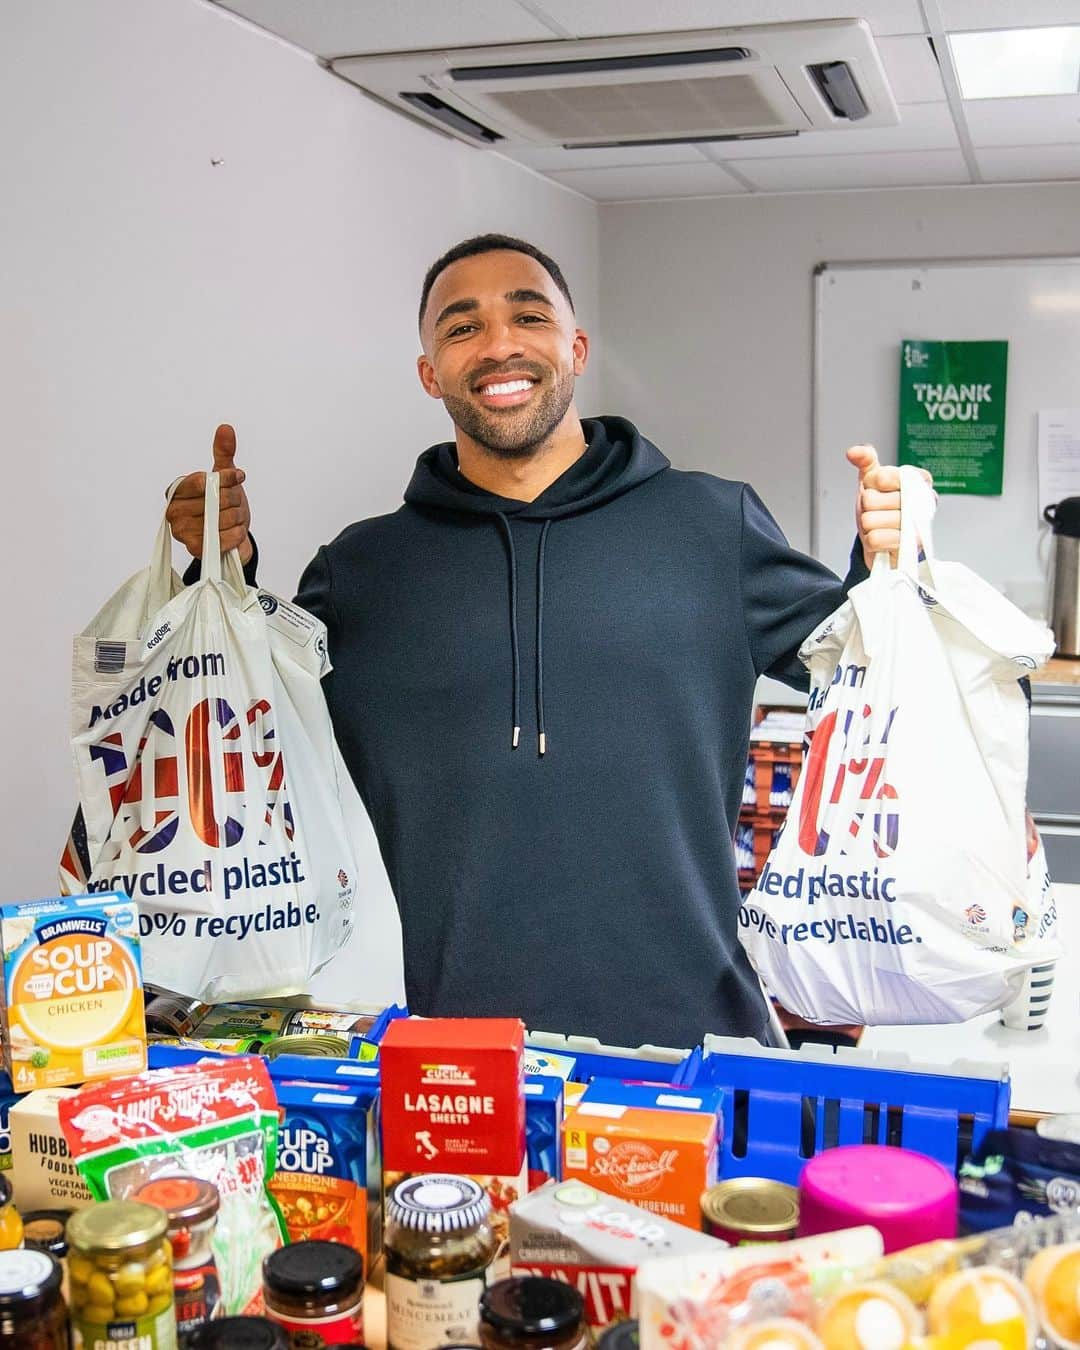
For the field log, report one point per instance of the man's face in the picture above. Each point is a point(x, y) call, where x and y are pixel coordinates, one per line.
point(502, 350)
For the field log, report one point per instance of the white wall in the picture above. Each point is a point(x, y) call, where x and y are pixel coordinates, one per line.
point(708, 310)
point(146, 294)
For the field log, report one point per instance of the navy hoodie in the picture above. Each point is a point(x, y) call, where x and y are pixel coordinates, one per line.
point(618, 622)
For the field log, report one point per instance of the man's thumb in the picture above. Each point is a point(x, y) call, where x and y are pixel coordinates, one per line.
point(863, 457)
point(224, 446)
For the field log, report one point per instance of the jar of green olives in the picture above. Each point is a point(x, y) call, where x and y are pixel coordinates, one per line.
point(121, 1279)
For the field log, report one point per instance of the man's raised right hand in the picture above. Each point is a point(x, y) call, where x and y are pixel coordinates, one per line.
point(185, 513)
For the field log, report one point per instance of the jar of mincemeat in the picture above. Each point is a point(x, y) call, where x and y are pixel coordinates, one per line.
point(315, 1290)
point(439, 1247)
point(531, 1312)
point(33, 1315)
point(120, 1276)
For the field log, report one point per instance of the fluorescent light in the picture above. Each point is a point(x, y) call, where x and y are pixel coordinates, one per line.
point(1017, 62)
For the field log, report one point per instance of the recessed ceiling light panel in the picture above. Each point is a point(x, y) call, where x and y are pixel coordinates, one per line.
point(1017, 62)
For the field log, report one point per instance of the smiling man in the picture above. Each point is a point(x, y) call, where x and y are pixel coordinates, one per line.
point(544, 667)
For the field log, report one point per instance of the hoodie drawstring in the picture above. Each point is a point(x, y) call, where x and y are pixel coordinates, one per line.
point(513, 627)
point(514, 644)
point(540, 635)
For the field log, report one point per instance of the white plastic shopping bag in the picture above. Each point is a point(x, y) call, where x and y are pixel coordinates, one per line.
point(210, 786)
point(892, 893)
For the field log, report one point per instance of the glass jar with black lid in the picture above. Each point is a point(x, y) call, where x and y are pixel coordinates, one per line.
point(531, 1312)
point(33, 1315)
point(238, 1333)
point(315, 1290)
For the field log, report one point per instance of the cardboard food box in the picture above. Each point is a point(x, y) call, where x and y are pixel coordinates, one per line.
point(72, 990)
point(453, 1101)
point(543, 1127)
point(654, 1146)
point(43, 1172)
point(570, 1231)
point(328, 1180)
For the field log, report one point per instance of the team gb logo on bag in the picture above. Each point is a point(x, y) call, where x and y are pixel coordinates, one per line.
point(858, 788)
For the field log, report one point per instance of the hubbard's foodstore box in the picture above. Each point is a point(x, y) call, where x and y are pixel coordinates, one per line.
point(72, 990)
point(453, 1101)
point(657, 1147)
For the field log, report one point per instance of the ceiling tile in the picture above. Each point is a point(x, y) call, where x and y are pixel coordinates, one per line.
point(965, 14)
point(655, 181)
point(923, 126)
point(1029, 163)
point(602, 18)
point(913, 72)
point(548, 158)
point(856, 171)
point(1023, 121)
point(348, 28)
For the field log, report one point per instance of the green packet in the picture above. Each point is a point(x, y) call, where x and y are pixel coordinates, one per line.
point(217, 1120)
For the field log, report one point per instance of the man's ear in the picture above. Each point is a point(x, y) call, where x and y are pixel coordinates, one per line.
point(426, 371)
point(581, 351)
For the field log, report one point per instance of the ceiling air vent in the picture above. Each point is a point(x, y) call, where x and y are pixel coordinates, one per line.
point(652, 88)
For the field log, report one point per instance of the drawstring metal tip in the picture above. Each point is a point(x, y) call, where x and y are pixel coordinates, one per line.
point(543, 742)
point(517, 733)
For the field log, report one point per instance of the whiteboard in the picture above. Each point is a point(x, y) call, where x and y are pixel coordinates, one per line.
point(862, 312)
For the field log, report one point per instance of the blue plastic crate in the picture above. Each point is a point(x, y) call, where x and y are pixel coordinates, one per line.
point(646, 1063)
point(783, 1106)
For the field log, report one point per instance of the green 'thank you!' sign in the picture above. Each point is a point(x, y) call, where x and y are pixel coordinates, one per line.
point(952, 413)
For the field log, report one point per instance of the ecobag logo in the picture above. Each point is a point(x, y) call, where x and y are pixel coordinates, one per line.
point(844, 785)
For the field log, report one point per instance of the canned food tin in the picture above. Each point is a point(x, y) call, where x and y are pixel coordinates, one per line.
point(221, 1045)
point(173, 1014)
point(326, 1047)
point(327, 1021)
point(747, 1210)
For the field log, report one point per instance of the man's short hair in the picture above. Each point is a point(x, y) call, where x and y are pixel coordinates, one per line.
point(491, 243)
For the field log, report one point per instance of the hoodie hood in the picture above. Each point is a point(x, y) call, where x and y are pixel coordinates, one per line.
point(617, 458)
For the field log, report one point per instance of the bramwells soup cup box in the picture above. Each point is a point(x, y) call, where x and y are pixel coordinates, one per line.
point(72, 990)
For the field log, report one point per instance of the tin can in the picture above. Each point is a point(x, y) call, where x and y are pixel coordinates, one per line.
point(329, 1022)
point(744, 1211)
point(222, 1045)
point(310, 1043)
point(170, 1014)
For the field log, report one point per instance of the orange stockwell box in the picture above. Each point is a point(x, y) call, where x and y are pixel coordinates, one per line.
point(452, 1097)
point(659, 1159)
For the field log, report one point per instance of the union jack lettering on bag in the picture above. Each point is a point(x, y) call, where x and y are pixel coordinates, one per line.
point(861, 765)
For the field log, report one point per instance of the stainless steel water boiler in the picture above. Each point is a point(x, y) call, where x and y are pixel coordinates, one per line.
point(1064, 517)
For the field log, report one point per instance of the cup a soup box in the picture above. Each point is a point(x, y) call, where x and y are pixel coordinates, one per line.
point(453, 1101)
point(72, 990)
point(657, 1147)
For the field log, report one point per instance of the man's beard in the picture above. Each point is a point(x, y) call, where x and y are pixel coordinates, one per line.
point(510, 436)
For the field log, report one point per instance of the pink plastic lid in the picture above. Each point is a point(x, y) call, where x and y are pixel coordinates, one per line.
point(908, 1197)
